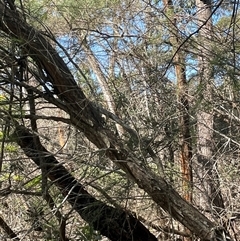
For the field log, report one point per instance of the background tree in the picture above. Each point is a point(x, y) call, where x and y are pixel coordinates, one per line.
point(109, 73)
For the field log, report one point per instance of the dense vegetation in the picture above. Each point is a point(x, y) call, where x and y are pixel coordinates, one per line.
point(119, 120)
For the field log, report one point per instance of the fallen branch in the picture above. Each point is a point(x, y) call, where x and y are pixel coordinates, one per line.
point(114, 223)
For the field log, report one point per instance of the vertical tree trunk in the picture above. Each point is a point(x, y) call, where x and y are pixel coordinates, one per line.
point(185, 157)
point(183, 107)
point(210, 179)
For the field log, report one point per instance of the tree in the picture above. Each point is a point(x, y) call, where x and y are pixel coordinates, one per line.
point(205, 118)
point(183, 102)
point(56, 85)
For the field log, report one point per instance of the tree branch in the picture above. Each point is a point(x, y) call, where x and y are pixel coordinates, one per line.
point(86, 118)
point(114, 223)
point(8, 230)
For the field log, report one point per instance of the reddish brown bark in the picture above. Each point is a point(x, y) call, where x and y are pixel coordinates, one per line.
point(183, 105)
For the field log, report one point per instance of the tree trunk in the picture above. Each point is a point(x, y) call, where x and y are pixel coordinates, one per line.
point(183, 105)
point(185, 157)
point(209, 176)
point(114, 223)
point(88, 119)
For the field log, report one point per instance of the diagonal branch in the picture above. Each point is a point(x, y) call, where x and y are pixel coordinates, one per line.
point(114, 223)
point(8, 230)
point(87, 119)
point(35, 45)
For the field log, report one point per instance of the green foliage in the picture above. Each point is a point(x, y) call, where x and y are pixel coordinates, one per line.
point(87, 233)
point(8, 176)
point(12, 148)
point(55, 12)
point(137, 33)
point(37, 8)
point(35, 182)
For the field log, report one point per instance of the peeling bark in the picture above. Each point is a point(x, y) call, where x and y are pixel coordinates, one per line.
point(183, 107)
point(185, 153)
